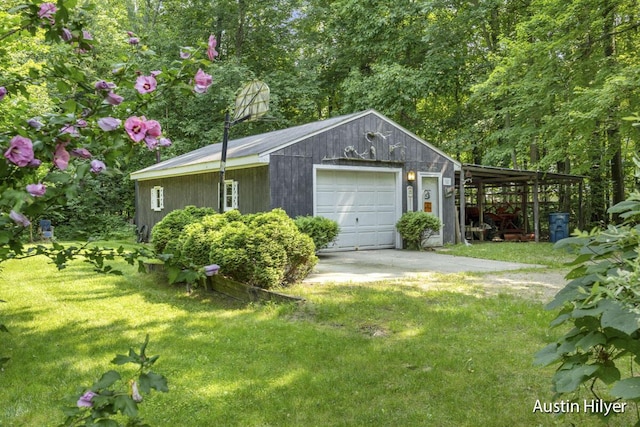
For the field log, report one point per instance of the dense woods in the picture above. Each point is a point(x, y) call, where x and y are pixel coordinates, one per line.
point(536, 84)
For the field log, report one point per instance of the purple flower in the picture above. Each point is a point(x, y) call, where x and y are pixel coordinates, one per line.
point(71, 130)
point(155, 73)
point(210, 270)
point(211, 47)
point(61, 156)
point(203, 81)
point(134, 41)
point(66, 35)
point(104, 85)
point(34, 123)
point(185, 52)
point(20, 151)
point(82, 153)
point(97, 166)
point(86, 400)
point(113, 99)
point(164, 142)
point(36, 190)
point(34, 163)
point(47, 11)
point(82, 123)
point(145, 84)
point(3, 92)
point(135, 394)
point(136, 128)
point(86, 35)
point(108, 124)
point(19, 218)
point(153, 128)
point(151, 143)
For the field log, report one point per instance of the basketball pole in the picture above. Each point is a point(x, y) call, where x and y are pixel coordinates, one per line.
point(242, 108)
point(223, 155)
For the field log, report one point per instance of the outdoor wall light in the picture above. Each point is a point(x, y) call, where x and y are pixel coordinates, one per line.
point(411, 176)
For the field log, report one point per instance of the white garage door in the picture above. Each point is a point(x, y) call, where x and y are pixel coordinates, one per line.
point(364, 203)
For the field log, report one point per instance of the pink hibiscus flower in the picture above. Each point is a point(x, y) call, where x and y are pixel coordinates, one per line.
point(136, 128)
point(203, 81)
point(145, 84)
point(61, 156)
point(20, 151)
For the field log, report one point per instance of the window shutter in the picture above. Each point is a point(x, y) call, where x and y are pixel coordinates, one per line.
point(157, 198)
point(234, 198)
point(154, 199)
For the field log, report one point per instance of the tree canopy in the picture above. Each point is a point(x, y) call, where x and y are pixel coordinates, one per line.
point(537, 84)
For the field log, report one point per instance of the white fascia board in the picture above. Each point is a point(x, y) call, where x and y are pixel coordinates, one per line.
point(238, 163)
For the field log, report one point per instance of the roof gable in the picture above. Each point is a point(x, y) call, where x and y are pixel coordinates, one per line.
point(253, 150)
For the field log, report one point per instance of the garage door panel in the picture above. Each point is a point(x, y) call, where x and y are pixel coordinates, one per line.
point(364, 203)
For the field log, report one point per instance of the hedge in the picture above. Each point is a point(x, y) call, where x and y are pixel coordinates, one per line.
point(263, 250)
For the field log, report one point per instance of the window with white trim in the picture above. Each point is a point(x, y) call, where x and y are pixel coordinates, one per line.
point(230, 195)
point(157, 198)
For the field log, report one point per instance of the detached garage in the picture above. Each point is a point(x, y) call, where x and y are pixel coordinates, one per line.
point(361, 170)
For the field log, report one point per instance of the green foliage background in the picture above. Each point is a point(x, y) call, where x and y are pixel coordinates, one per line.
point(534, 84)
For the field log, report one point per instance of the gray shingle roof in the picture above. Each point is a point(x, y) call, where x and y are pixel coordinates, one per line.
point(250, 145)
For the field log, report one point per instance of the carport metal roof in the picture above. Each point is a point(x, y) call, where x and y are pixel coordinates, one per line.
point(480, 176)
point(490, 175)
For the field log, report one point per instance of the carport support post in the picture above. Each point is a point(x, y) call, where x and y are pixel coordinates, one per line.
point(463, 208)
point(536, 209)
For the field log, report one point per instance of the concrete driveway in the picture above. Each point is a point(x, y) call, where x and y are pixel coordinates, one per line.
point(368, 266)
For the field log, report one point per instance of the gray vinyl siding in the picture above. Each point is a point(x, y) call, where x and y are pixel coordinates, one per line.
point(201, 190)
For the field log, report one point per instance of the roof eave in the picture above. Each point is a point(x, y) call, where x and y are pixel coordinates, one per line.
point(198, 168)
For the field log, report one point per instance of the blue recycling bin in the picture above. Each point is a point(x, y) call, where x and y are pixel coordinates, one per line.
point(558, 226)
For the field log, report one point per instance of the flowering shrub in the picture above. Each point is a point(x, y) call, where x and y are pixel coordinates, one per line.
point(114, 395)
point(47, 158)
point(96, 125)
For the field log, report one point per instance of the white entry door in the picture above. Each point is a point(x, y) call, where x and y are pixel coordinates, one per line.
point(430, 200)
point(363, 201)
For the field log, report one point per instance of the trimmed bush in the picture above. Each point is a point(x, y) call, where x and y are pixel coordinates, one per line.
point(267, 250)
point(414, 227)
point(172, 225)
point(323, 231)
point(263, 250)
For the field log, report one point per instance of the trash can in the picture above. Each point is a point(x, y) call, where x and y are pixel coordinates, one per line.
point(558, 226)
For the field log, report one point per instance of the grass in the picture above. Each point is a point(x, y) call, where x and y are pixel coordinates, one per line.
point(380, 354)
point(527, 252)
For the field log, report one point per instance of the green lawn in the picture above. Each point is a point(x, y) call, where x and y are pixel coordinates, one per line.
point(383, 354)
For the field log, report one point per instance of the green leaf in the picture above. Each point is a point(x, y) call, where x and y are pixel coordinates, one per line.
point(547, 355)
point(592, 339)
point(70, 106)
point(63, 87)
point(126, 405)
point(105, 422)
point(121, 359)
point(568, 380)
point(628, 388)
point(617, 317)
point(152, 380)
point(608, 374)
point(107, 380)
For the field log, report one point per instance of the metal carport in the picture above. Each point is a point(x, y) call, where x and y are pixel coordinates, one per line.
point(483, 177)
